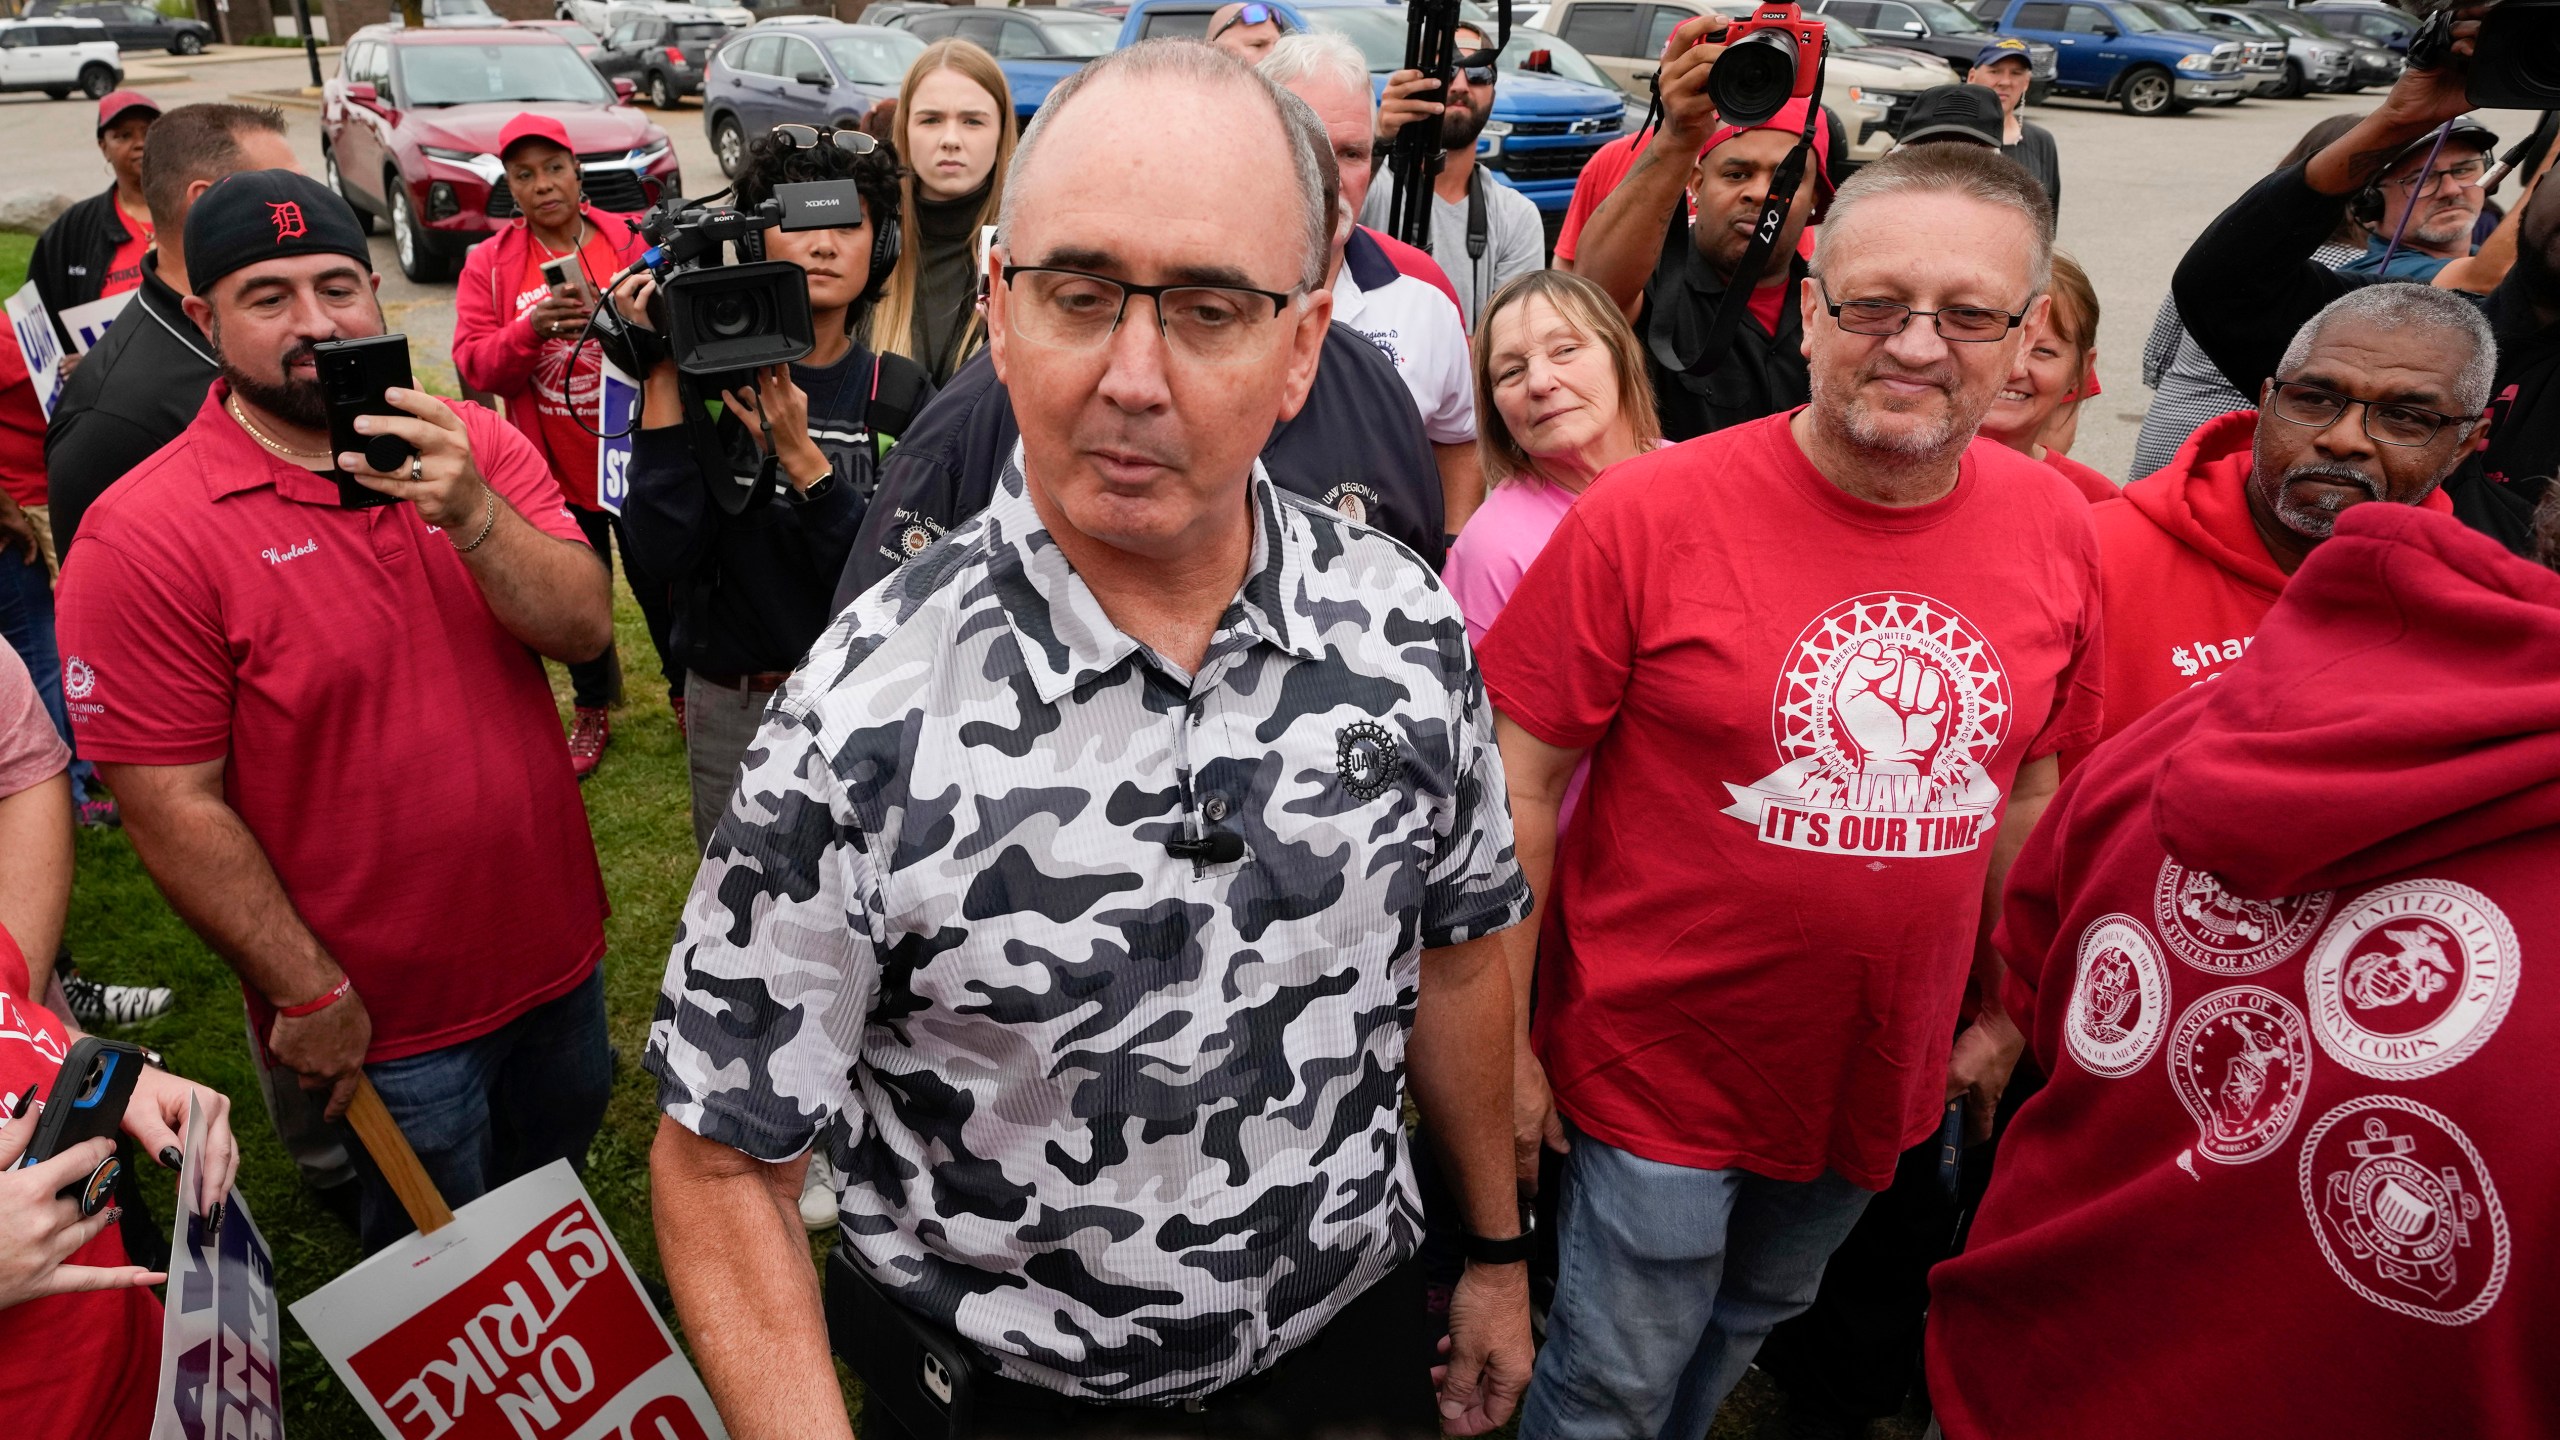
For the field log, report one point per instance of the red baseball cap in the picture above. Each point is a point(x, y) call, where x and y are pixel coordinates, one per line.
point(531, 126)
point(118, 102)
point(1790, 119)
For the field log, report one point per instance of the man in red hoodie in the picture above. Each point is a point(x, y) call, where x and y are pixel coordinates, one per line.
point(2378, 398)
point(2294, 1169)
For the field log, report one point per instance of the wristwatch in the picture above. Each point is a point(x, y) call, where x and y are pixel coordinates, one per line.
point(1511, 1251)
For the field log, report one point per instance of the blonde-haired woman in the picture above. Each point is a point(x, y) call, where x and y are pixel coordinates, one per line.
point(1561, 395)
point(955, 135)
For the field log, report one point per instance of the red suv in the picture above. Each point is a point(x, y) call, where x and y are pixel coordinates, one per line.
point(408, 127)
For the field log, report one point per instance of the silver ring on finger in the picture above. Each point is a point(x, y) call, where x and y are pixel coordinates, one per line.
point(417, 469)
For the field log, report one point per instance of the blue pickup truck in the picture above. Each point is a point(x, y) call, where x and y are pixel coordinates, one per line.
point(1544, 125)
point(2114, 50)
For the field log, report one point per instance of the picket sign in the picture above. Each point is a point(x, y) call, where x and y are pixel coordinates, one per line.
point(88, 323)
point(219, 1338)
point(617, 406)
point(37, 344)
point(516, 1317)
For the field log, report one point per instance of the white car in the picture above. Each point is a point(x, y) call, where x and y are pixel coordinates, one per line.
point(601, 16)
point(58, 56)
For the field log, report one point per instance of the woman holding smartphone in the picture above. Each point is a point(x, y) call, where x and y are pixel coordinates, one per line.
point(519, 311)
point(955, 134)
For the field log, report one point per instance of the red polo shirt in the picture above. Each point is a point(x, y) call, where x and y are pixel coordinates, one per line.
point(394, 750)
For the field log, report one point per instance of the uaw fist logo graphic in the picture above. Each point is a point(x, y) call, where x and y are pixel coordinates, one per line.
point(2404, 1209)
point(1889, 709)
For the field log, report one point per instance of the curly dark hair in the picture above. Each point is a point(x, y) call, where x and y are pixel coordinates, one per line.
point(767, 164)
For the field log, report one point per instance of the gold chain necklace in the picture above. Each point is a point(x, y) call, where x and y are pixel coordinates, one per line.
point(232, 404)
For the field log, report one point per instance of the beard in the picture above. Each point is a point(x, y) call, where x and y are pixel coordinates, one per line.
point(1459, 128)
point(1870, 427)
point(2317, 520)
point(296, 402)
point(2445, 227)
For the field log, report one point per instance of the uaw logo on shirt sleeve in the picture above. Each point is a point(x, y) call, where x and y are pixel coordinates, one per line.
point(1889, 710)
point(2119, 1000)
point(2412, 978)
point(2404, 1210)
point(2240, 1060)
point(2222, 934)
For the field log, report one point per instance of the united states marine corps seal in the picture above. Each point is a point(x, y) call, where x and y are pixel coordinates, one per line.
point(2404, 1210)
point(1366, 759)
point(2411, 978)
point(2240, 1060)
point(2120, 999)
point(2222, 934)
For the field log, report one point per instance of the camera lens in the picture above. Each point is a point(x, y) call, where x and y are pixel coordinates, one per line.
point(2517, 64)
point(1754, 78)
point(733, 315)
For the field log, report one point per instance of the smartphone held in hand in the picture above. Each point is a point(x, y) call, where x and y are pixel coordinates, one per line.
point(353, 376)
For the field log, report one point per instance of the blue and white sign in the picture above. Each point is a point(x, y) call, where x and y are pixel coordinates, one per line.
point(220, 1340)
point(617, 413)
point(37, 342)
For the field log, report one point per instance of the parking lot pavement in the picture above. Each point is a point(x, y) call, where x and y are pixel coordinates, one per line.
point(2135, 193)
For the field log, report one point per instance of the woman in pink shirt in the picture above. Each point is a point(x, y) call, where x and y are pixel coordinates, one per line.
point(1561, 395)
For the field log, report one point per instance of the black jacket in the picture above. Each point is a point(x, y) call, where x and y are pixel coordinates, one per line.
point(750, 592)
point(130, 396)
point(70, 261)
point(1762, 375)
point(1357, 445)
point(2249, 282)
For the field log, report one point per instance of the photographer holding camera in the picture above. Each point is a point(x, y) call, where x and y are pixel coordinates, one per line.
point(753, 583)
point(2250, 282)
point(1670, 272)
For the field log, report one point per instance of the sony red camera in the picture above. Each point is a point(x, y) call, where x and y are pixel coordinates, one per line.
point(1770, 59)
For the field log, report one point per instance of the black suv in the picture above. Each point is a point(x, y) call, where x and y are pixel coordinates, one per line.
point(663, 52)
point(132, 27)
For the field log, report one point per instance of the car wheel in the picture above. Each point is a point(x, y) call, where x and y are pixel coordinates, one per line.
point(662, 91)
point(2296, 84)
point(97, 82)
point(418, 258)
point(189, 43)
point(2147, 91)
point(729, 145)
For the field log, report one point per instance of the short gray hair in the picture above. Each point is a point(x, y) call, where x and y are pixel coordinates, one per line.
point(1972, 171)
point(1317, 55)
point(1156, 64)
point(2401, 306)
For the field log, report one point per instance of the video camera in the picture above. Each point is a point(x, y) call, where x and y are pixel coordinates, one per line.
point(1763, 66)
point(2515, 60)
point(720, 319)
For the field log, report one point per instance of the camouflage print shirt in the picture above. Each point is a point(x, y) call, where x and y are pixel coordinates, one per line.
point(1127, 1121)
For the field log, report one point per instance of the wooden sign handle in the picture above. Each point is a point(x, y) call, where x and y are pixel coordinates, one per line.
point(398, 1163)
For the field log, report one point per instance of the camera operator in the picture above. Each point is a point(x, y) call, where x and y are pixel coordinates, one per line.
point(2250, 282)
point(1484, 233)
point(1669, 272)
point(752, 590)
point(337, 753)
point(516, 335)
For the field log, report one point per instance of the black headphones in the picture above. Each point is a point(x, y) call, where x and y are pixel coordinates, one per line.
point(885, 241)
point(2365, 206)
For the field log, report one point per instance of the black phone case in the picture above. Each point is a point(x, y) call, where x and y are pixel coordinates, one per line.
point(922, 1374)
point(85, 1108)
point(353, 375)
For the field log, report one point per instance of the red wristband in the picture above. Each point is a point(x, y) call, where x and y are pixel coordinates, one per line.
point(346, 986)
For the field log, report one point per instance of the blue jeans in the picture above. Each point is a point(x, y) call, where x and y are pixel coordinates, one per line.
point(26, 625)
point(486, 1111)
point(1668, 1279)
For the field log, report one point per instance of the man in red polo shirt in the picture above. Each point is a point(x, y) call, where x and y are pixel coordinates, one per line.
point(1822, 663)
point(2284, 951)
point(337, 752)
point(2195, 553)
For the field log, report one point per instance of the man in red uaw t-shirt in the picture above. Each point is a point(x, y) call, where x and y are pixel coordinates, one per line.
point(330, 729)
point(2195, 553)
point(1822, 664)
point(2294, 1172)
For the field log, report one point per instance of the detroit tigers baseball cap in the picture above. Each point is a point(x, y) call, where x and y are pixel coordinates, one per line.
point(120, 103)
point(257, 215)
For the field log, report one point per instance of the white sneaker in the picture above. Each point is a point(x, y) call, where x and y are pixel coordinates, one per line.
point(96, 1006)
point(818, 1196)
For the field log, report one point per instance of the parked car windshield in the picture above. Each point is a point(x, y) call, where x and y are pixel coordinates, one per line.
point(700, 32)
point(472, 74)
point(1563, 61)
point(1944, 19)
point(1082, 37)
point(2135, 19)
point(874, 56)
point(2178, 17)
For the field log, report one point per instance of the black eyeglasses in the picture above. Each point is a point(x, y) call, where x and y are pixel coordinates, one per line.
point(1961, 324)
point(2386, 422)
point(1077, 310)
point(810, 137)
point(2460, 173)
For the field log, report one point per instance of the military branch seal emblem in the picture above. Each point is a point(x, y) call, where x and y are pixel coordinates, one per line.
point(2120, 999)
point(1889, 709)
point(1366, 759)
point(2240, 1060)
point(2404, 1210)
point(2222, 934)
point(2412, 978)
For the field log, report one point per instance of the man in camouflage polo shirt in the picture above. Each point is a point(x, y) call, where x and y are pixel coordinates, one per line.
point(1097, 884)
